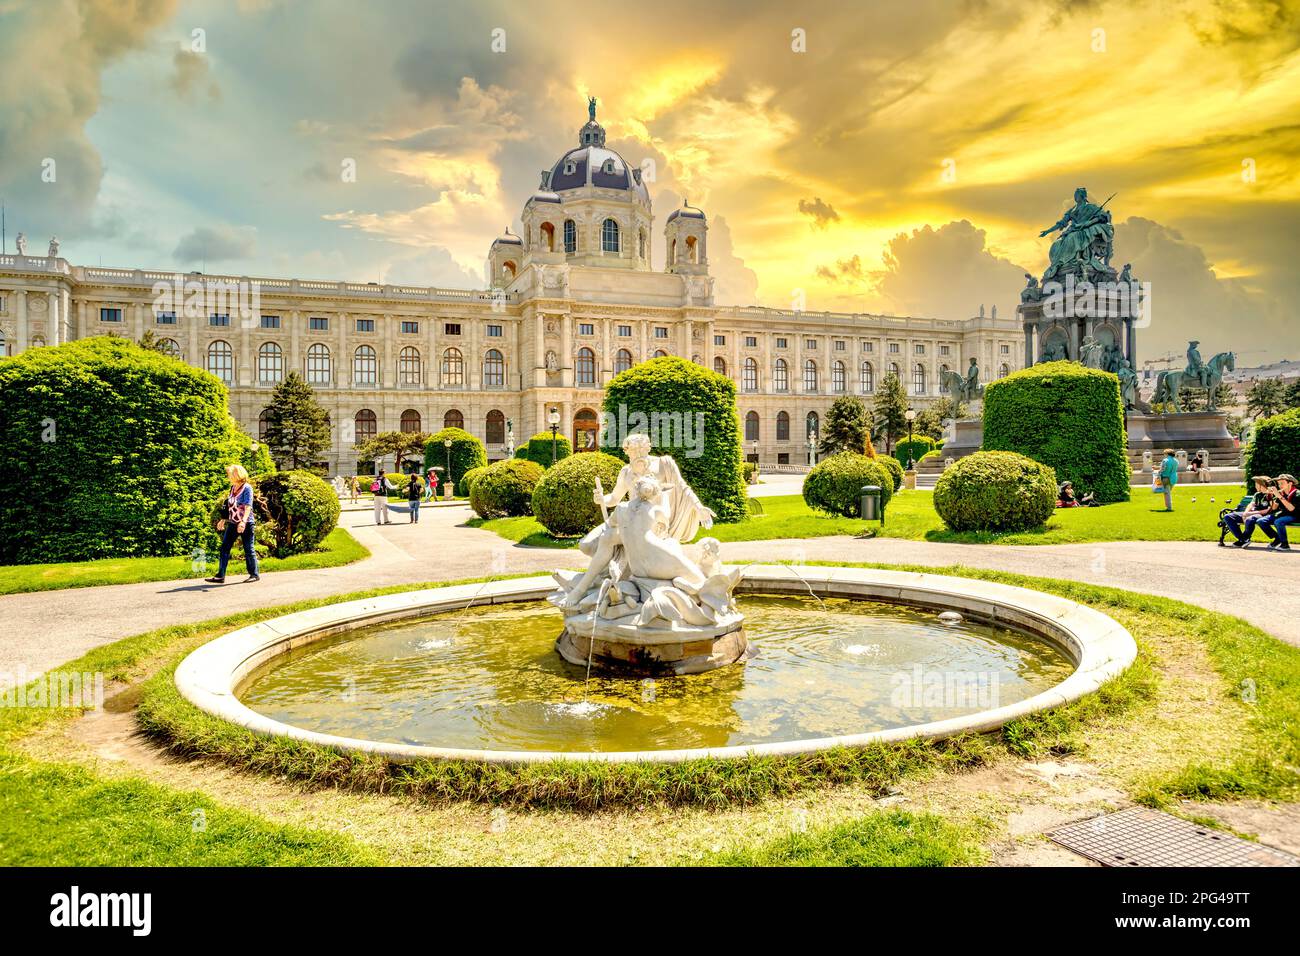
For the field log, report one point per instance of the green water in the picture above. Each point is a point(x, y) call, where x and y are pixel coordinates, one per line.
point(489, 678)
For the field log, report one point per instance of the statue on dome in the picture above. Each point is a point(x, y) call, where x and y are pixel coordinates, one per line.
point(591, 108)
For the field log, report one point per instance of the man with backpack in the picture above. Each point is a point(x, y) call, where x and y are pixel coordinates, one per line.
point(380, 488)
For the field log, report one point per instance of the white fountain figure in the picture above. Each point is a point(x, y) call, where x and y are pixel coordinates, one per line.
point(643, 602)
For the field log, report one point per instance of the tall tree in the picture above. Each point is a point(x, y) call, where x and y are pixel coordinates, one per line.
point(890, 410)
point(297, 427)
point(1266, 398)
point(847, 426)
point(1292, 394)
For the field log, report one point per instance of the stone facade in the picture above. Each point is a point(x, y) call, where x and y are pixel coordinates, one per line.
point(573, 301)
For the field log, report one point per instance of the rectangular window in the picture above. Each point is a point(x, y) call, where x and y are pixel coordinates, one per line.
point(451, 328)
point(165, 318)
point(494, 331)
point(719, 340)
point(868, 346)
point(365, 325)
point(625, 331)
point(270, 321)
point(751, 341)
point(783, 458)
point(110, 315)
point(920, 350)
point(810, 343)
point(410, 328)
point(893, 348)
point(1004, 350)
point(945, 349)
point(782, 344)
point(219, 318)
point(839, 346)
point(318, 324)
point(661, 332)
point(586, 328)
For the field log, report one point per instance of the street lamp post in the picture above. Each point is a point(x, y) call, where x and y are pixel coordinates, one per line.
point(911, 417)
point(554, 419)
point(446, 443)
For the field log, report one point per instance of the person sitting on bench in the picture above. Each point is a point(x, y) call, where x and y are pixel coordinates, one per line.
point(1242, 523)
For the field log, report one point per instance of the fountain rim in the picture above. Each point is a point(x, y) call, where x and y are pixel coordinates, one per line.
point(211, 676)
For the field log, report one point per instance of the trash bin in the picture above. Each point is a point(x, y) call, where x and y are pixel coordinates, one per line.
point(872, 509)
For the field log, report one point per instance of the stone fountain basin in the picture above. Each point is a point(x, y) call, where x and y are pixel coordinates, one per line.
point(1101, 648)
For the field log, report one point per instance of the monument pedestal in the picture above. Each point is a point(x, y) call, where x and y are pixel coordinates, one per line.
point(960, 439)
point(1186, 433)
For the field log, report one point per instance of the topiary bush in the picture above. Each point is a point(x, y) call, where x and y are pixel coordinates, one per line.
point(689, 412)
point(1065, 416)
point(893, 468)
point(466, 452)
point(1275, 449)
point(562, 500)
point(466, 482)
point(538, 449)
point(110, 450)
point(917, 449)
point(505, 489)
point(834, 485)
point(995, 491)
point(299, 509)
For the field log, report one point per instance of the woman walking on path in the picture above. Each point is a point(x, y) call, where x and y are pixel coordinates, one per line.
point(1168, 477)
point(238, 523)
point(431, 485)
point(413, 492)
point(355, 485)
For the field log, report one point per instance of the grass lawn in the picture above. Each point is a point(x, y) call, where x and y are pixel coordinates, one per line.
point(911, 515)
point(339, 547)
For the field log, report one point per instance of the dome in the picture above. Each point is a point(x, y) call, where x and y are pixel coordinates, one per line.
point(507, 238)
point(686, 212)
point(592, 163)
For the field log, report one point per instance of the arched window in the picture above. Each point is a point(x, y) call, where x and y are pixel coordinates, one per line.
point(570, 236)
point(672, 253)
point(893, 370)
point(453, 368)
point(548, 237)
point(812, 424)
point(262, 421)
point(365, 366)
point(166, 346)
point(837, 377)
point(494, 370)
point(320, 369)
point(918, 379)
point(1004, 370)
point(781, 376)
point(622, 361)
point(585, 367)
point(868, 378)
point(641, 244)
point(810, 376)
point(365, 426)
point(782, 426)
point(453, 419)
point(751, 426)
point(270, 362)
point(692, 249)
point(749, 376)
point(495, 432)
point(220, 361)
point(720, 365)
point(508, 269)
point(409, 370)
point(660, 353)
point(609, 236)
point(586, 426)
point(410, 421)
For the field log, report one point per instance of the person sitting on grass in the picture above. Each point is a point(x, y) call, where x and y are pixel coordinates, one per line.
point(1242, 524)
point(1284, 508)
point(1066, 498)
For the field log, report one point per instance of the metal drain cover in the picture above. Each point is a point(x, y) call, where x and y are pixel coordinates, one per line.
point(1142, 837)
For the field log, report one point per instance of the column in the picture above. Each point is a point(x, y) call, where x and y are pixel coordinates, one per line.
point(607, 353)
point(539, 350)
point(82, 322)
point(1030, 351)
point(387, 355)
point(474, 360)
point(295, 347)
point(566, 347)
point(21, 297)
point(244, 365)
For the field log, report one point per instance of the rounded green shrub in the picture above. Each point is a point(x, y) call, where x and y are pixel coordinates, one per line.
point(467, 481)
point(895, 470)
point(505, 489)
point(299, 509)
point(689, 412)
point(562, 500)
point(1066, 416)
point(917, 448)
point(110, 450)
point(835, 484)
point(466, 452)
point(400, 481)
point(538, 449)
point(995, 491)
point(1275, 449)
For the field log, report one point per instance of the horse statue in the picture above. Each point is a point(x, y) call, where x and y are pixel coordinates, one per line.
point(1168, 384)
point(954, 383)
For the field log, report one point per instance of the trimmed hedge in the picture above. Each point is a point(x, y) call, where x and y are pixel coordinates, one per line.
point(659, 395)
point(295, 510)
point(834, 485)
point(892, 466)
point(562, 500)
point(466, 483)
point(1066, 416)
point(1275, 449)
point(110, 450)
point(505, 489)
point(918, 447)
point(466, 452)
point(995, 491)
point(538, 449)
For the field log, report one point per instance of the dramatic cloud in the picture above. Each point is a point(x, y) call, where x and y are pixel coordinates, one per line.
point(216, 244)
point(821, 213)
point(191, 75)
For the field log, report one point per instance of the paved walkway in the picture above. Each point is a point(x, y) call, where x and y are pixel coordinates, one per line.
point(45, 629)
